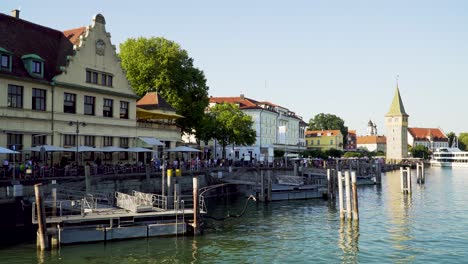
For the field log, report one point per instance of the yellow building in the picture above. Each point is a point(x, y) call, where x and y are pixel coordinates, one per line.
point(324, 139)
point(52, 80)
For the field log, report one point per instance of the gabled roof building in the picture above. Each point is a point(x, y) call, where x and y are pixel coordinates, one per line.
point(432, 138)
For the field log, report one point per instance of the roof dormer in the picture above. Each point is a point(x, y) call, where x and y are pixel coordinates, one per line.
point(5, 60)
point(34, 64)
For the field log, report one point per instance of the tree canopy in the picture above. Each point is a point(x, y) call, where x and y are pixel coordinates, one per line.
point(229, 125)
point(463, 141)
point(328, 121)
point(451, 136)
point(161, 65)
point(420, 151)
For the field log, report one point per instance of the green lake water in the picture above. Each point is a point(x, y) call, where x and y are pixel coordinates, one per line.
point(428, 226)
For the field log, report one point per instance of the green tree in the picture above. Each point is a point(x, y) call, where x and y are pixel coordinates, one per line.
point(352, 154)
point(161, 65)
point(463, 141)
point(420, 151)
point(278, 153)
point(328, 121)
point(451, 136)
point(231, 126)
point(334, 153)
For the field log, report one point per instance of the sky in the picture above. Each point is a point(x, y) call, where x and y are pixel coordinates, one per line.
point(310, 56)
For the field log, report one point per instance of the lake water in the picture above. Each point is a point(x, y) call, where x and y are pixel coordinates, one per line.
point(429, 226)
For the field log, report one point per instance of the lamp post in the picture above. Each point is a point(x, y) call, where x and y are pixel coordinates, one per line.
point(77, 124)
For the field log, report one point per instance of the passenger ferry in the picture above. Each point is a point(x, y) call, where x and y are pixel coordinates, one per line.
point(449, 157)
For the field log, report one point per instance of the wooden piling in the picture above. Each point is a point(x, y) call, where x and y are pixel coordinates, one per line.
point(340, 194)
point(329, 184)
point(41, 219)
point(402, 180)
point(196, 209)
point(54, 198)
point(87, 178)
point(378, 175)
point(348, 196)
point(163, 178)
point(423, 173)
point(269, 186)
point(408, 178)
point(262, 186)
point(355, 196)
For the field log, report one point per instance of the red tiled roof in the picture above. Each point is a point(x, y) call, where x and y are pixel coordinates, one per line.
point(74, 34)
point(371, 140)
point(154, 100)
point(314, 133)
point(22, 37)
point(242, 102)
point(419, 133)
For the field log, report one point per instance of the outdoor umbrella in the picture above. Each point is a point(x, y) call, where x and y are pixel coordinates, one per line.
point(112, 149)
point(138, 149)
point(7, 151)
point(183, 149)
point(47, 148)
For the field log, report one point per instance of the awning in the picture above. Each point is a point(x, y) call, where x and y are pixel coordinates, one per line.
point(82, 149)
point(112, 149)
point(151, 141)
point(183, 149)
point(46, 148)
point(7, 151)
point(138, 149)
point(148, 114)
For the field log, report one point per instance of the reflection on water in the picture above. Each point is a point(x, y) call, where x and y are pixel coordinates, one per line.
point(428, 226)
point(349, 241)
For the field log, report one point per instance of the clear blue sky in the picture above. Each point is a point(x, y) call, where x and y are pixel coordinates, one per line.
point(328, 56)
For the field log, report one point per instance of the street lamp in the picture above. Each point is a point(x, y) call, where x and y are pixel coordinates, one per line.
point(77, 124)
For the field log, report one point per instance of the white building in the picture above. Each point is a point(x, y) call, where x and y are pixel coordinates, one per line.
point(50, 80)
point(277, 128)
point(432, 138)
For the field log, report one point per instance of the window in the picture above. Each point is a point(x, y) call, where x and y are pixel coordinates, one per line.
point(4, 62)
point(331, 141)
point(69, 103)
point(38, 140)
point(37, 67)
point(94, 78)
point(15, 96)
point(318, 142)
point(38, 99)
point(89, 105)
point(101, 78)
point(107, 141)
point(15, 142)
point(107, 108)
point(89, 141)
point(123, 110)
point(69, 140)
point(123, 144)
point(88, 76)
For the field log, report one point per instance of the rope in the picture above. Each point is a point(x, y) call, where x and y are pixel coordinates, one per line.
point(251, 197)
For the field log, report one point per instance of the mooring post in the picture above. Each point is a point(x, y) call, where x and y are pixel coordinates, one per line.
point(348, 196)
point(196, 209)
point(87, 178)
point(295, 168)
point(402, 179)
point(41, 219)
point(170, 192)
point(329, 184)
point(408, 178)
point(54, 198)
point(176, 195)
point(378, 176)
point(147, 171)
point(262, 186)
point(340, 194)
point(418, 176)
point(163, 178)
point(355, 196)
point(423, 173)
point(269, 185)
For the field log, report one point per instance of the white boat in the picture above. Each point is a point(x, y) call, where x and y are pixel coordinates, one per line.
point(449, 157)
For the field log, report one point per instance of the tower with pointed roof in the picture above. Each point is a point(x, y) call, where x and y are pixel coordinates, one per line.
point(396, 124)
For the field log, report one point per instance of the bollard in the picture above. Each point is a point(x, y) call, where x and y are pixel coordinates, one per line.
point(41, 219)
point(348, 196)
point(340, 194)
point(355, 196)
point(196, 230)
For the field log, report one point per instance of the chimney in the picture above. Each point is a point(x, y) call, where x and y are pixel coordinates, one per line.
point(15, 13)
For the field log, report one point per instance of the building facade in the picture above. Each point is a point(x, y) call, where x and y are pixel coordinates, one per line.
point(66, 89)
point(277, 128)
point(372, 143)
point(396, 124)
point(432, 138)
point(324, 139)
point(351, 141)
